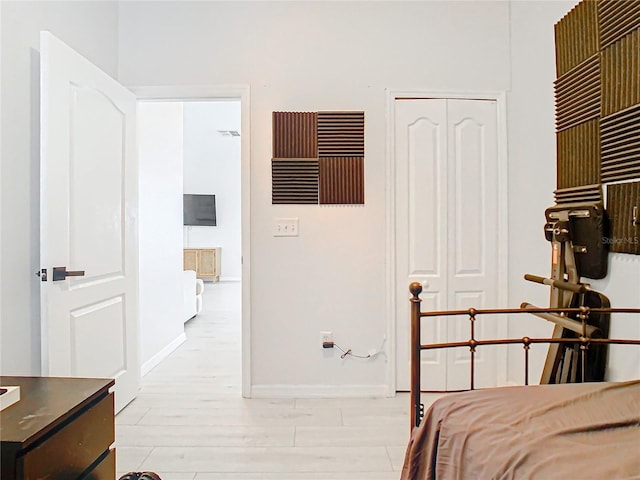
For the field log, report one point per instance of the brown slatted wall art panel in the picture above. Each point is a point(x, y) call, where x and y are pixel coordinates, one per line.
point(598, 111)
point(620, 122)
point(578, 155)
point(617, 18)
point(621, 145)
point(621, 200)
point(342, 180)
point(621, 74)
point(340, 134)
point(294, 180)
point(576, 37)
point(584, 194)
point(578, 94)
point(295, 135)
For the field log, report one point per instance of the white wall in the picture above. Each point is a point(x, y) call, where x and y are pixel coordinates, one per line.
point(212, 166)
point(90, 28)
point(160, 147)
point(304, 56)
point(310, 56)
point(532, 165)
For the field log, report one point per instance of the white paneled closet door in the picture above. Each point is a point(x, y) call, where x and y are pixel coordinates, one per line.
point(447, 212)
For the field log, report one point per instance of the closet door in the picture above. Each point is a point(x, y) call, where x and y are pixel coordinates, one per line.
point(446, 201)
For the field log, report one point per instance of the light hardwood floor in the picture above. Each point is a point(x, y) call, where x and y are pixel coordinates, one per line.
point(190, 422)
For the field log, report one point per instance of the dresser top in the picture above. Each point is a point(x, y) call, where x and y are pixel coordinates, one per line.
point(44, 403)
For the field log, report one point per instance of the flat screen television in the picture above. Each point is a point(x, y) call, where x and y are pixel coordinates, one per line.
point(199, 209)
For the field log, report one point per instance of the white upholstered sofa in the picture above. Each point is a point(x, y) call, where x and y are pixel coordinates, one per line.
point(193, 288)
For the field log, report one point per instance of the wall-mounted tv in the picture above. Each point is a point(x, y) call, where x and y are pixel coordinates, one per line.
point(199, 209)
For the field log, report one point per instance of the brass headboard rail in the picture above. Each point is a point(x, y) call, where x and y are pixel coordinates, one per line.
point(587, 335)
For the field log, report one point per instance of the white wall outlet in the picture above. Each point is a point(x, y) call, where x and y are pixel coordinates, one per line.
point(326, 339)
point(285, 227)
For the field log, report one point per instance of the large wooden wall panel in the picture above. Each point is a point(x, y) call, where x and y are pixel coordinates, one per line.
point(300, 140)
point(598, 112)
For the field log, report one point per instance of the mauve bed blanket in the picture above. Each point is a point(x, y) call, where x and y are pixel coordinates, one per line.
point(574, 431)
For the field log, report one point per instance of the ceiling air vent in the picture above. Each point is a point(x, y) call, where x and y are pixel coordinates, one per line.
point(229, 133)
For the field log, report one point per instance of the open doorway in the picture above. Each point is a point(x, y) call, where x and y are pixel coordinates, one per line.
point(211, 170)
point(201, 150)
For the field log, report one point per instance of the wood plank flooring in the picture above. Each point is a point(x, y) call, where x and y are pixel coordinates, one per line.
point(190, 422)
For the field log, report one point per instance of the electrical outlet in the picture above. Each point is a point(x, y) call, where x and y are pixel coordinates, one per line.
point(327, 339)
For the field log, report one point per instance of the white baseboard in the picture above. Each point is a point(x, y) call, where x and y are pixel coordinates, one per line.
point(162, 354)
point(230, 279)
point(319, 391)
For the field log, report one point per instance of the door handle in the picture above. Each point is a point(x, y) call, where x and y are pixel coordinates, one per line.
point(61, 273)
point(425, 284)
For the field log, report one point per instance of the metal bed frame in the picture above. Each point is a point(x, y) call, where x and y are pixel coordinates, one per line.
point(588, 335)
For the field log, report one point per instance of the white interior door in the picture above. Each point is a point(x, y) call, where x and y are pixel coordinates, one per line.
point(446, 197)
point(88, 222)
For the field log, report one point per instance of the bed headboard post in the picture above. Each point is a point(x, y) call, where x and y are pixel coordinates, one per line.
point(415, 288)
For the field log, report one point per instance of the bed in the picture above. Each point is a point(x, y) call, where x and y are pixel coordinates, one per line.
point(567, 431)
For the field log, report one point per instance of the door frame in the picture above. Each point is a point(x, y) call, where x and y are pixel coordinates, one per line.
point(500, 98)
point(212, 93)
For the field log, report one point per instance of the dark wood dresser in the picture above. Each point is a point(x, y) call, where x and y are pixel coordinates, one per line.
point(61, 429)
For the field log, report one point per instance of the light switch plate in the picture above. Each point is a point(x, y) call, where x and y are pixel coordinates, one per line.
point(285, 227)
